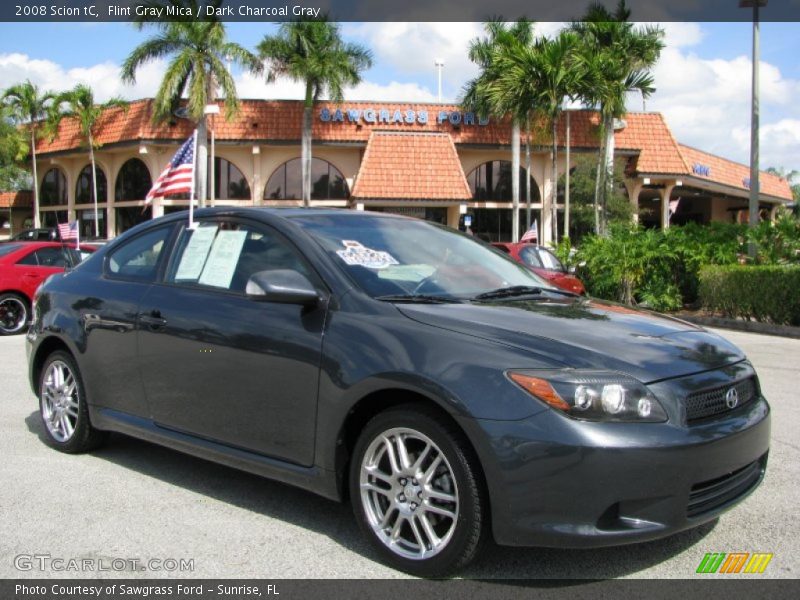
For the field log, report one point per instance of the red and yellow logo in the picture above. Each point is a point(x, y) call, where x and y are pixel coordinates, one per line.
point(734, 563)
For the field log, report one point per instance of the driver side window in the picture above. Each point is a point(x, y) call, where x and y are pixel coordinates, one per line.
point(225, 254)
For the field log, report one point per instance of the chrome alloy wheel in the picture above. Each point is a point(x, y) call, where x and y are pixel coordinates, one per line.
point(59, 395)
point(409, 493)
point(13, 314)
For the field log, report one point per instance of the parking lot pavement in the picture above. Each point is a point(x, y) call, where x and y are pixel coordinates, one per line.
point(133, 500)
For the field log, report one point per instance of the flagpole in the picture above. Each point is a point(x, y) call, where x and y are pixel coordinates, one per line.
point(78, 235)
point(192, 224)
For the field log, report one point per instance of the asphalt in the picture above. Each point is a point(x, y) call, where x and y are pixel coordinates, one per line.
point(133, 500)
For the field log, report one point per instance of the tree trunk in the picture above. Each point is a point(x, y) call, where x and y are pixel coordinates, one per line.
point(515, 181)
point(36, 222)
point(305, 153)
point(554, 178)
point(94, 187)
point(608, 168)
point(528, 176)
point(598, 182)
point(201, 161)
point(566, 180)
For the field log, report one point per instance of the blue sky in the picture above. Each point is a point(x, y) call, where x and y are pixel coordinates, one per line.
point(702, 80)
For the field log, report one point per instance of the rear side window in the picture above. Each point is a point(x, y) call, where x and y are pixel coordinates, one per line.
point(54, 257)
point(139, 258)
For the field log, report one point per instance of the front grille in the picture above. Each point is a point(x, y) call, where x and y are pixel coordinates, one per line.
point(712, 494)
point(702, 405)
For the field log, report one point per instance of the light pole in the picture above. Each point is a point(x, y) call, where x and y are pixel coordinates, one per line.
point(439, 62)
point(754, 107)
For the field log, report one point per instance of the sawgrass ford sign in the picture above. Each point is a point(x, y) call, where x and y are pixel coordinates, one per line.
point(409, 116)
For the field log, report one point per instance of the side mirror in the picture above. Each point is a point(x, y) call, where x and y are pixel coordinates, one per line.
point(572, 270)
point(282, 285)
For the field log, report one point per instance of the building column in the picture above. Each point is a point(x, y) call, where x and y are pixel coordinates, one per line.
point(454, 215)
point(773, 212)
point(665, 194)
point(634, 188)
point(256, 190)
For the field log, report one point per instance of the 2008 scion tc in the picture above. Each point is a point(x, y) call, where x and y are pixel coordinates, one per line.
point(445, 389)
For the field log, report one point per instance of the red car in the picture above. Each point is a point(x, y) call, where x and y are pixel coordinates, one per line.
point(23, 268)
point(544, 263)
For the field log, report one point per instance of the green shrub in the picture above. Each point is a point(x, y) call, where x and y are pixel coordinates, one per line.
point(764, 293)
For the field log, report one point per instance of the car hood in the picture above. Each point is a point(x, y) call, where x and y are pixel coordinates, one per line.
point(586, 333)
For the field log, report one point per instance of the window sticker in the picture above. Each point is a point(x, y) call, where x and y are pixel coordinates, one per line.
point(222, 260)
point(195, 254)
point(355, 254)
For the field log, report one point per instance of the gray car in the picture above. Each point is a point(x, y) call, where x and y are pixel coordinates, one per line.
point(445, 390)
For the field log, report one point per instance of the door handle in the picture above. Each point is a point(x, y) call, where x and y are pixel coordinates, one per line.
point(152, 319)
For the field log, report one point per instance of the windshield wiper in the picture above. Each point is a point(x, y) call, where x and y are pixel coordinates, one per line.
point(509, 292)
point(418, 298)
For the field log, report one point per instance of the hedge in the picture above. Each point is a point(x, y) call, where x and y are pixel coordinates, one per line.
point(767, 294)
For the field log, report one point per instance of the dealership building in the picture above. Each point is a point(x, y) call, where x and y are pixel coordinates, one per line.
point(432, 161)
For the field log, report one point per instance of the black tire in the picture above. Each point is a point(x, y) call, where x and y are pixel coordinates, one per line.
point(459, 472)
point(14, 311)
point(63, 395)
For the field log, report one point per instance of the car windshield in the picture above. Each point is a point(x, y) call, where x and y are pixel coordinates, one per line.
point(392, 257)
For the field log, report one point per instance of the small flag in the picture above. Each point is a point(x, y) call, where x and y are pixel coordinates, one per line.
point(178, 177)
point(68, 231)
point(532, 235)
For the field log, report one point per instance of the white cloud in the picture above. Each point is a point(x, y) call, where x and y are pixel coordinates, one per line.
point(103, 78)
point(706, 102)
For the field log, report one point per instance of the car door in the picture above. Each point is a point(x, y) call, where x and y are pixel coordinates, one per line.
point(222, 366)
point(108, 308)
point(33, 268)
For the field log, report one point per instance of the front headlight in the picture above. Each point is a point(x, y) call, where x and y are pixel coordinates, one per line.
point(592, 395)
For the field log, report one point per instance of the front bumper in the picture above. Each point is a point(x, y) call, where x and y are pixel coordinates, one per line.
point(558, 482)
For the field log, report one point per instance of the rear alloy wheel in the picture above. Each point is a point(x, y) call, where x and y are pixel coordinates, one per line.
point(63, 407)
point(13, 314)
point(416, 492)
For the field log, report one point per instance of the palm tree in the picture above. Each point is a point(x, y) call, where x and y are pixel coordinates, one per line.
point(480, 94)
point(29, 107)
point(540, 76)
point(78, 103)
point(313, 52)
point(198, 51)
point(618, 57)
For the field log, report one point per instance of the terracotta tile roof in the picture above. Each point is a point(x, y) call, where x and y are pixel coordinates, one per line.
point(411, 166)
point(710, 167)
point(16, 199)
point(646, 135)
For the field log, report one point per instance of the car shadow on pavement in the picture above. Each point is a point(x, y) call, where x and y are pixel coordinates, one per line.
point(335, 520)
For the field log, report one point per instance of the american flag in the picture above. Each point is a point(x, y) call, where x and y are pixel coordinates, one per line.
point(532, 234)
point(68, 231)
point(178, 177)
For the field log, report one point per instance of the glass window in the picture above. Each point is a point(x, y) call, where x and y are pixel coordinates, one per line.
point(131, 216)
point(133, 181)
point(54, 188)
point(492, 182)
point(387, 256)
point(47, 257)
point(83, 187)
point(549, 260)
point(224, 255)
point(138, 258)
point(530, 257)
point(9, 248)
point(327, 182)
point(230, 183)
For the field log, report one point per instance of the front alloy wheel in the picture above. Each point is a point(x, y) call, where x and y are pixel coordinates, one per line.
point(416, 493)
point(62, 406)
